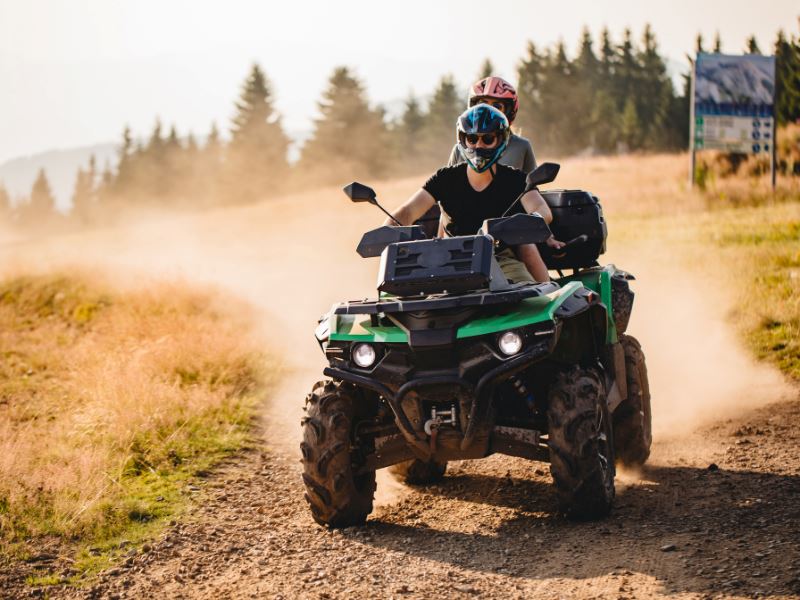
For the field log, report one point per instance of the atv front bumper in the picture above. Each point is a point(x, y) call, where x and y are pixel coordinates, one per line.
point(445, 387)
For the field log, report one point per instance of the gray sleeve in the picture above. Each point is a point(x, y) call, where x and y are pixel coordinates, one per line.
point(455, 157)
point(529, 161)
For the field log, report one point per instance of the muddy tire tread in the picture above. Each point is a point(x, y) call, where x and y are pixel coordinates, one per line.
point(337, 497)
point(584, 489)
point(633, 418)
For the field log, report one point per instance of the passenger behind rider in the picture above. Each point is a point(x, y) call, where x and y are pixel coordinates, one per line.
point(481, 188)
point(497, 92)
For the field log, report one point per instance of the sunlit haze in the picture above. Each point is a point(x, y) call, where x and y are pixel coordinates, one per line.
point(74, 73)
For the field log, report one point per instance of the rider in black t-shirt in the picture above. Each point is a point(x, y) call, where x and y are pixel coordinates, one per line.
point(481, 189)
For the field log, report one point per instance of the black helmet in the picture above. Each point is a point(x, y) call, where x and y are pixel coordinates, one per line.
point(482, 120)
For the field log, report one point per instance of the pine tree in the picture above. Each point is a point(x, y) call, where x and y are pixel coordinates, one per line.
point(440, 123)
point(787, 79)
point(531, 78)
point(586, 71)
point(407, 135)
point(752, 45)
point(84, 195)
point(608, 57)
point(587, 64)
point(717, 44)
point(350, 139)
point(486, 70)
point(155, 145)
point(559, 120)
point(654, 94)
point(5, 205)
point(41, 207)
point(124, 179)
point(630, 126)
point(207, 170)
point(698, 44)
point(607, 109)
point(604, 123)
point(256, 163)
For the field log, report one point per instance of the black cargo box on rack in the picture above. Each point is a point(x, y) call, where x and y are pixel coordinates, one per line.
point(454, 265)
point(575, 212)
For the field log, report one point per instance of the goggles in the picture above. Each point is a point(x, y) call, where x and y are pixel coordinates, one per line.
point(488, 139)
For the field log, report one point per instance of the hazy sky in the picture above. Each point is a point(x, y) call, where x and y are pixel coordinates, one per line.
point(74, 72)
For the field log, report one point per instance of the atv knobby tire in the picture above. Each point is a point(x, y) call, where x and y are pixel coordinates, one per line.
point(337, 496)
point(581, 444)
point(632, 419)
point(418, 472)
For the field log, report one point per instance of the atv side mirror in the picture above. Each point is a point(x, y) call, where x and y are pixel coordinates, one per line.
point(358, 192)
point(544, 173)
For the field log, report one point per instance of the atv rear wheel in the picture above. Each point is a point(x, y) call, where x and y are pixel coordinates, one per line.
point(632, 419)
point(581, 444)
point(337, 496)
point(417, 472)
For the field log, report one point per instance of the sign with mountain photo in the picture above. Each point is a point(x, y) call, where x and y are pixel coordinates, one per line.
point(734, 101)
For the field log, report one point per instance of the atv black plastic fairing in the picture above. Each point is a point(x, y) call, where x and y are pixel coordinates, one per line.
point(374, 242)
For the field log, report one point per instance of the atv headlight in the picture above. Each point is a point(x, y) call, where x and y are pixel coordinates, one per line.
point(363, 355)
point(510, 343)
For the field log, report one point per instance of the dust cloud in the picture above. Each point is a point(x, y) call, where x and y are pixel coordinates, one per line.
point(699, 370)
point(291, 258)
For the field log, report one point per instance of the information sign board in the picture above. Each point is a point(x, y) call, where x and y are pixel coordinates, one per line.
point(733, 105)
point(733, 134)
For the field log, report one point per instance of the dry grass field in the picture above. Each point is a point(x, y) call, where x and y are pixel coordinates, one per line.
point(110, 402)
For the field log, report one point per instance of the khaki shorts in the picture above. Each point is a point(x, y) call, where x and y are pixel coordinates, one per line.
point(513, 268)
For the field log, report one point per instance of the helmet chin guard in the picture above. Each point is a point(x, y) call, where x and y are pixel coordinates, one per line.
point(481, 159)
point(481, 120)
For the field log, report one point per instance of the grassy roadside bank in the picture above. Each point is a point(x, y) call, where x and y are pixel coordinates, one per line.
point(111, 404)
point(739, 235)
point(761, 247)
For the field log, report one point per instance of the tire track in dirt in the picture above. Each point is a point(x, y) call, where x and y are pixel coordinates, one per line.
point(490, 529)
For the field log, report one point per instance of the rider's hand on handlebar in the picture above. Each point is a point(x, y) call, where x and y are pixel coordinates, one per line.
point(554, 243)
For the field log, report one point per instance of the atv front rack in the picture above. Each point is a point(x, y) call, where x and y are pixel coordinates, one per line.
point(393, 304)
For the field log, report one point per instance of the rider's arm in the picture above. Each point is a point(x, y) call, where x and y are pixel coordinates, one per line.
point(413, 208)
point(533, 202)
point(529, 254)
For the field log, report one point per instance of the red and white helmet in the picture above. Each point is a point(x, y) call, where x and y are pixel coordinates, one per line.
point(492, 90)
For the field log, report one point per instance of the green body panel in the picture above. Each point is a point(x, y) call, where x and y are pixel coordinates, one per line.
point(527, 312)
point(599, 281)
point(358, 328)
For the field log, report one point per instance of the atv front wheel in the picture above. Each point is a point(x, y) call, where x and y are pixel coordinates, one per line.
point(338, 497)
point(417, 472)
point(632, 419)
point(581, 444)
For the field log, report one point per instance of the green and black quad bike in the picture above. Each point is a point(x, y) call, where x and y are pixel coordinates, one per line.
point(453, 362)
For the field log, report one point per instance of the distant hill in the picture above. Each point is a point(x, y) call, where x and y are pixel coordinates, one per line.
point(61, 166)
point(18, 174)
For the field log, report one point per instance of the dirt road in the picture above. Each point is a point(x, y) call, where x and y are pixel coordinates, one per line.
point(715, 512)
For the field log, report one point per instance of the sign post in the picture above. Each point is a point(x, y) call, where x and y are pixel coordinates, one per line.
point(733, 106)
point(693, 165)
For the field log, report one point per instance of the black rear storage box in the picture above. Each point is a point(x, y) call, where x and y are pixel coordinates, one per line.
point(575, 212)
point(455, 265)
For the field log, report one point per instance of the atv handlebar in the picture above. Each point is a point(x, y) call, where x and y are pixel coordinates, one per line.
point(575, 241)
